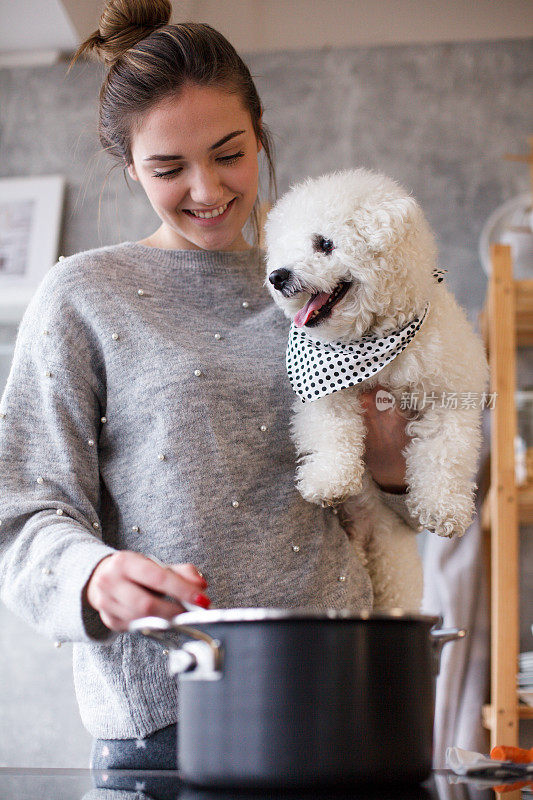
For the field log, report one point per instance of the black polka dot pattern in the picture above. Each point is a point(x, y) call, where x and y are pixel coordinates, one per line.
point(439, 274)
point(316, 369)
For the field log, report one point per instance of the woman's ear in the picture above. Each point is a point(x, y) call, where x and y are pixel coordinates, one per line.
point(132, 172)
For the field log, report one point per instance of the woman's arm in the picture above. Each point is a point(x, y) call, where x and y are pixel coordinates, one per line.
point(56, 572)
point(385, 441)
point(50, 536)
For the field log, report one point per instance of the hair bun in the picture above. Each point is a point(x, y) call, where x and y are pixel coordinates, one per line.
point(124, 23)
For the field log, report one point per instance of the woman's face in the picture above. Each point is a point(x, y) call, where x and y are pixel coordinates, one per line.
point(193, 153)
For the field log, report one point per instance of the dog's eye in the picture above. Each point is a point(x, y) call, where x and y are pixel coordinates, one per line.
point(322, 245)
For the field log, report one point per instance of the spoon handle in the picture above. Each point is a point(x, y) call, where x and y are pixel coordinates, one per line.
point(187, 606)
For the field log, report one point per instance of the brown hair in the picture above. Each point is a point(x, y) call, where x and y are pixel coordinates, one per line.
point(149, 59)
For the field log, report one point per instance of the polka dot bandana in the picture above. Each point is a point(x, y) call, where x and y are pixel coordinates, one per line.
point(316, 369)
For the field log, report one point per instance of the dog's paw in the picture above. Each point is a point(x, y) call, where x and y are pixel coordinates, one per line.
point(442, 525)
point(326, 487)
point(444, 513)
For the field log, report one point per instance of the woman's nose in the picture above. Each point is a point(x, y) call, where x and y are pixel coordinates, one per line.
point(205, 187)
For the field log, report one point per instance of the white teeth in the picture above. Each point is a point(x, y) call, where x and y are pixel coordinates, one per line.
point(209, 214)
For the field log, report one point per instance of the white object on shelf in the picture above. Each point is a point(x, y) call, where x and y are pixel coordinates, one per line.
point(512, 224)
point(526, 697)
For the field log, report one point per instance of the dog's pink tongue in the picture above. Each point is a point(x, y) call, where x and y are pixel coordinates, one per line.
point(313, 304)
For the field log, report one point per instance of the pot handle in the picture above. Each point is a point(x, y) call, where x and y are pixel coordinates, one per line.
point(442, 636)
point(204, 655)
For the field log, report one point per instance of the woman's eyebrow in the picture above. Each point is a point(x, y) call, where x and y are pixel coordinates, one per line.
point(212, 147)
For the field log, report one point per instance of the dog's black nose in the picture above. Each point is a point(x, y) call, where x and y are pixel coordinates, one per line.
point(279, 277)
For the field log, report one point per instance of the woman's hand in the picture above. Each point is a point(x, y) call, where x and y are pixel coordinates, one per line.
point(127, 585)
point(385, 440)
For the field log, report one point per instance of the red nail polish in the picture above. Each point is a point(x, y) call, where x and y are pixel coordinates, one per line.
point(201, 600)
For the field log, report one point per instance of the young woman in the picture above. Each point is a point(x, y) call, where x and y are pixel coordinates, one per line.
point(147, 409)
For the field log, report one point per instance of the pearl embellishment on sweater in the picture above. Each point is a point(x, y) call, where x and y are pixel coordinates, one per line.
point(245, 303)
point(263, 428)
point(90, 442)
point(57, 644)
point(59, 512)
point(295, 548)
point(197, 372)
point(46, 571)
point(235, 503)
point(140, 292)
point(114, 336)
point(48, 374)
point(40, 480)
point(218, 336)
point(342, 578)
point(96, 525)
point(161, 456)
point(135, 529)
point(103, 419)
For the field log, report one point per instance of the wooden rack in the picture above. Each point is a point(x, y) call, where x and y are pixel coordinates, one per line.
point(507, 322)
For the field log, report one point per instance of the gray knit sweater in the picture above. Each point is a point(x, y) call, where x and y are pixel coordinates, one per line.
point(147, 409)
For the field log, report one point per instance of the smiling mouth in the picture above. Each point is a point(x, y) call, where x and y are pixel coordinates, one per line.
point(320, 305)
point(215, 212)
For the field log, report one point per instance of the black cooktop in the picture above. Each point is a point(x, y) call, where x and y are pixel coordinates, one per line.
point(82, 784)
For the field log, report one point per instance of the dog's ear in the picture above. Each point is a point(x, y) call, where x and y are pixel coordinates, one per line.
point(393, 223)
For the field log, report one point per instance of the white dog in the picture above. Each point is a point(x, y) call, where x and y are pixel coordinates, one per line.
point(352, 261)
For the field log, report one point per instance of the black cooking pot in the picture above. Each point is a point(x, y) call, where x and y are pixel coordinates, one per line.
point(275, 698)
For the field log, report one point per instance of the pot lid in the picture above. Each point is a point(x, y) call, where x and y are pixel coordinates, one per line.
point(272, 614)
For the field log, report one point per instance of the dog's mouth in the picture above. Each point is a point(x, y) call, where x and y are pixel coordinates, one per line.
point(320, 305)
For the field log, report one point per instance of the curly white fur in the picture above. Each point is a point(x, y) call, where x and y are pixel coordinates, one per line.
point(383, 245)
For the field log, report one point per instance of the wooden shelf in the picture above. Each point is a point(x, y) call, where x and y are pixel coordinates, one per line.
point(508, 325)
point(525, 506)
point(523, 303)
point(524, 712)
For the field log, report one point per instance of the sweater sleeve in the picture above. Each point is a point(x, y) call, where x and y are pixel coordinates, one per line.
point(50, 418)
point(396, 502)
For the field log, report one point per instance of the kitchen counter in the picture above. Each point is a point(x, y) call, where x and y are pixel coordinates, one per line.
point(82, 784)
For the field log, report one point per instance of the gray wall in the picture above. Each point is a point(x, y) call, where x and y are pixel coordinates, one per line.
point(437, 117)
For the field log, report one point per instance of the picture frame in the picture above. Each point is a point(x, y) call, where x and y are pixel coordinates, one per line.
point(30, 223)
